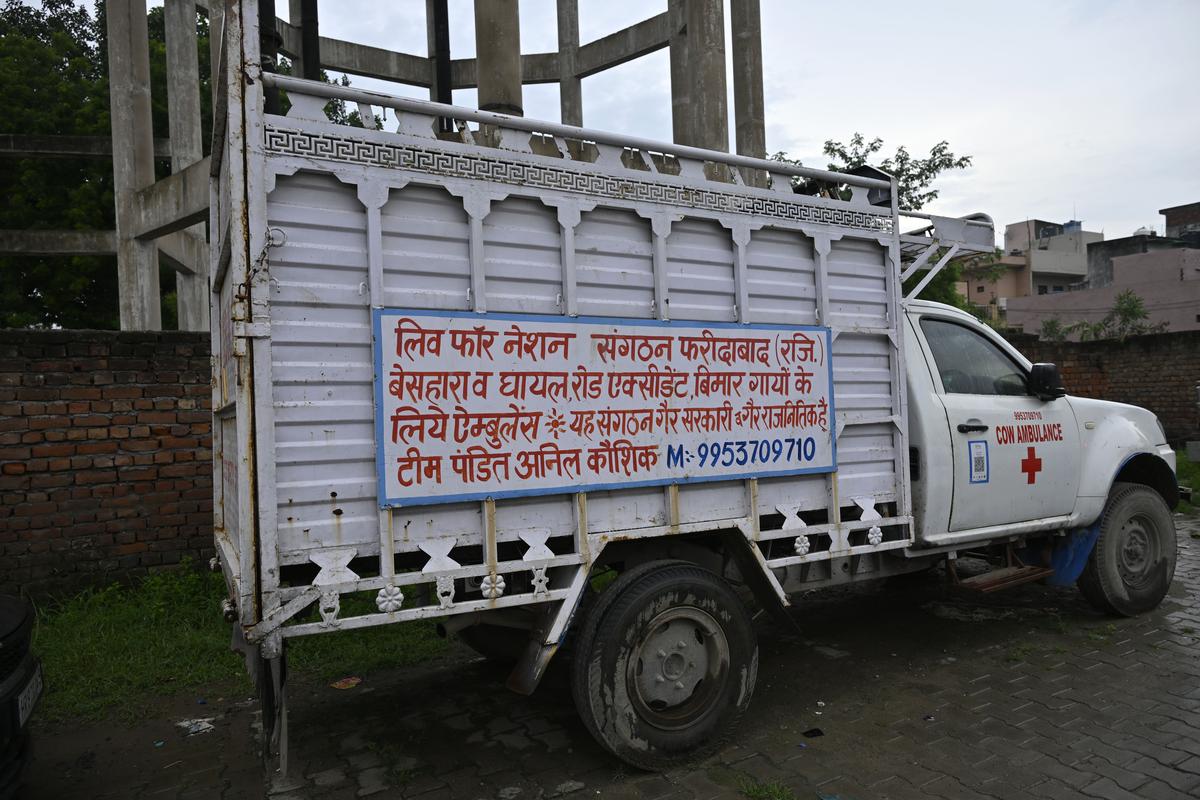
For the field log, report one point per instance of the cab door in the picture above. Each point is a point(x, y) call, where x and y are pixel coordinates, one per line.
point(1015, 456)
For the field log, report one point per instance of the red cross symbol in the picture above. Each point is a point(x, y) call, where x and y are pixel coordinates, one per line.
point(1031, 465)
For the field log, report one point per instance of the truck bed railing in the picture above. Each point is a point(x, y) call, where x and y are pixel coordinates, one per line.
point(948, 239)
point(310, 97)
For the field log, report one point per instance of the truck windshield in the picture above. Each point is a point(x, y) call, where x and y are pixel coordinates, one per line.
point(970, 364)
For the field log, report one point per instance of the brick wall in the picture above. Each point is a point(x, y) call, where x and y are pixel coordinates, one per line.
point(105, 455)
point(1158, 372)
point(105, 441)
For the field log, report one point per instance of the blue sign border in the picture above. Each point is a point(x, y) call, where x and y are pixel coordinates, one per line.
point(398, 502)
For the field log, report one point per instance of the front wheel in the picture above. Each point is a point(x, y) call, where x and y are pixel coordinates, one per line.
point(666, 665)
point(1132, 565)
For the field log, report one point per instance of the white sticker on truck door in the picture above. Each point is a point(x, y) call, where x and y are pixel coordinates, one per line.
point(502, 405)
point(978, 453)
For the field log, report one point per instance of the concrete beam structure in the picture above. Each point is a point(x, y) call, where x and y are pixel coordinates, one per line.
point(535, 68)
point(177, 250)
point(359, 59)
point(172, 210)
point(178, 201)
point(58, 243)
point(133, 161)
point(624, 45)
point(183, 108)
point(570, 87)
point(180, 251)
point(498, 56)
point(53, 146)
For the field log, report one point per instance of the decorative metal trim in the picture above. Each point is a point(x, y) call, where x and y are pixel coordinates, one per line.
point(477, 166)
point(390, 599)
point(541, 582)
point(445, 591)
point(330, 606)
point(492, 586)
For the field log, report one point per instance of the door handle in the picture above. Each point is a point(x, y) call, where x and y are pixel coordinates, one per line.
point(964, 427)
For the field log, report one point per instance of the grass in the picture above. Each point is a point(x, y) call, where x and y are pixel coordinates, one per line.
point(115, 652)
point(1189, 475)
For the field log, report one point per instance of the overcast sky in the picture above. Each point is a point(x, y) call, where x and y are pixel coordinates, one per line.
point(1083, 108)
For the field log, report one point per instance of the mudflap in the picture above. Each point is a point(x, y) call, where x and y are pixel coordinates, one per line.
point(1067, 557)
point(753, 571)
point(531, 666)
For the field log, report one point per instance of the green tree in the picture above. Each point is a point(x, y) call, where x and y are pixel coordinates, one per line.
point(914, 176)
point(1128, 317)
point(1053, 330)
point(914, 180)
point(54, 81)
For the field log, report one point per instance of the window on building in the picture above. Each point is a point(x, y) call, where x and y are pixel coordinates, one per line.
point(978, 290)
point(1058, 289)
point(1043, 289)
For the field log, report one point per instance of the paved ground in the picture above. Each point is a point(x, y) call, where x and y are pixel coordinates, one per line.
point(917, 692)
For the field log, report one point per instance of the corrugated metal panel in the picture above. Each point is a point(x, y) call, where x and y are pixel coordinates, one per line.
point(426, 256)
point(857, 284)
point(614, 264)
point(700, 271)
point(781, 277)
point(321, 367)
point(523, 260)
point(321, 336)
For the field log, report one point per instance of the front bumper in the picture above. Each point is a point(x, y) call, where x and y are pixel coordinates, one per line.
point(19, 693)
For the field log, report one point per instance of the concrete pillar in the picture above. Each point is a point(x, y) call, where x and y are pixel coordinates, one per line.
point(570, 89)
point(216, 35)
point(681, 84)
point(183, 109)
point(706, 62)
point(498, 56)
point(133, 160)
point(437, 29)
point(748, 109)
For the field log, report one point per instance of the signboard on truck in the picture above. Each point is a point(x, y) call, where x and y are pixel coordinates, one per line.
point(470, 406)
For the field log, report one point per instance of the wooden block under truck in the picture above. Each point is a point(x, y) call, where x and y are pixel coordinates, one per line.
point(460, 376)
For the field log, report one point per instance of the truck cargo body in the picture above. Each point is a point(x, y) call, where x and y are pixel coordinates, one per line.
point(348, 226)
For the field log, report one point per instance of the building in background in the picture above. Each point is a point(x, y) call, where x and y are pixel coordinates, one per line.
point(1183, 222)
point(1164, 271)
point(1039, 257)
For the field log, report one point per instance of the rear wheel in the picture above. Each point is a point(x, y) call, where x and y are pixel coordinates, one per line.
point(1131, 566)
point(666, 665)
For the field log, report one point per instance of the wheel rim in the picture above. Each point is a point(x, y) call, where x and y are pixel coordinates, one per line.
point(1138, 551)
point(678, 667)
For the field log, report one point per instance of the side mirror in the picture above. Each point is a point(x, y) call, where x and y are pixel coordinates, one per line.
point(1045, 382)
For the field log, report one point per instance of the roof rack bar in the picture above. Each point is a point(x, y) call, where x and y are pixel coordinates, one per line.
point(319, 89)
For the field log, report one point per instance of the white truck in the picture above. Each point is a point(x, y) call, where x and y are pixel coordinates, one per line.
point(549, 386)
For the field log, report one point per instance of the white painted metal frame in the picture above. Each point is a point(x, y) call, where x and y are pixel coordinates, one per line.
point(665, 184)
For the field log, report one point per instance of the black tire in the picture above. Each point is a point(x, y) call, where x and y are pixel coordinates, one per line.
point(1132, 565)
point(656, 714)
